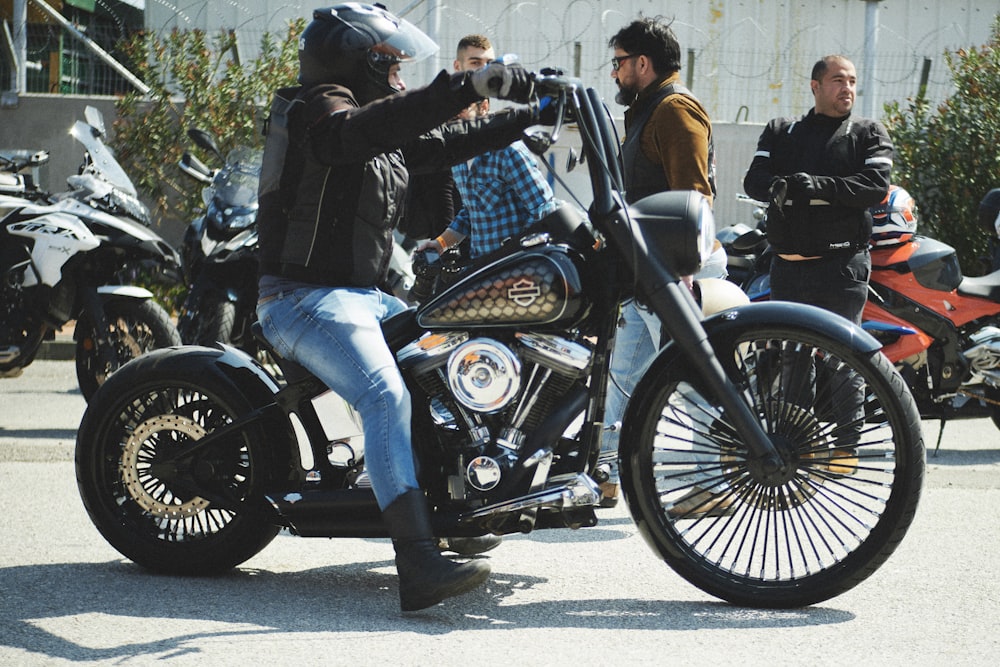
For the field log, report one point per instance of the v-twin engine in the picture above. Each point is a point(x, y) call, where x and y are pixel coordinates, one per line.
point(485, 395)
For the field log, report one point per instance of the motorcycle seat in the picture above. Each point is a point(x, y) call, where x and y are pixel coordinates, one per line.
point(984, 287)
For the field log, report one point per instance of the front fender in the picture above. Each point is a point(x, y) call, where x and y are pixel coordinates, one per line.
point(725, 327)
point(727, 324)
point(129, 291)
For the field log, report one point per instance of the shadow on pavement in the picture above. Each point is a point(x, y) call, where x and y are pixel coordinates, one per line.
point(116, 610)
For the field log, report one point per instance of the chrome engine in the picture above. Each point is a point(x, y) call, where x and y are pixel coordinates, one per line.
point(487, 394)
point(984, 354)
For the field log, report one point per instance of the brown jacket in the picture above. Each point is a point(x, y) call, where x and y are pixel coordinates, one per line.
point(676, 137)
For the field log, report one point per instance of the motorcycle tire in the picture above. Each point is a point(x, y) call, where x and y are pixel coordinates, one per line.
point(842, 506)
point(174, 514)
point(135, 327)
point(993, 404)
point(217, 321)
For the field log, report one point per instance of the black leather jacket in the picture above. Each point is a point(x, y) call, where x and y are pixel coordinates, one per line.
point(344, 175)
point(852, 160)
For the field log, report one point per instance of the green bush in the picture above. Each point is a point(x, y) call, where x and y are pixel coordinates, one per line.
point(195, 81)
point(948, 157)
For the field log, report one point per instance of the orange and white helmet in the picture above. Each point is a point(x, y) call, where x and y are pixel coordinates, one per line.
point(894, 220)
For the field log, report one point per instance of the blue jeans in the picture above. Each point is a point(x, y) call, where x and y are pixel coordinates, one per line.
point(335, 333)
point(636, 344)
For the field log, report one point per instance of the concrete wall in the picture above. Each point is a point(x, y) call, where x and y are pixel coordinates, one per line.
point(745, 59)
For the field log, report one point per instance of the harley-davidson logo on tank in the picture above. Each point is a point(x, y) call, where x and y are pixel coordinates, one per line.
point(537, 286)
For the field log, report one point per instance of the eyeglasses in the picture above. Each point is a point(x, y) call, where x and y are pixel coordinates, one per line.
point(616, 62)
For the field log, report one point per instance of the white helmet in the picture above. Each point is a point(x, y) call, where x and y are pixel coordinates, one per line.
point(894, 220)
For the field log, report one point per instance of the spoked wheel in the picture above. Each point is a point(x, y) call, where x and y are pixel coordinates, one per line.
point(993, 400)
point(156, 495)
point(134, 327)
point(846, 426)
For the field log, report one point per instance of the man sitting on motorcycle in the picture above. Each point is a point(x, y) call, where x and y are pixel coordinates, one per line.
point(332, 190)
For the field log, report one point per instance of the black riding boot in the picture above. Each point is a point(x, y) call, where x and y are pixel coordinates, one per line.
point(425, 576)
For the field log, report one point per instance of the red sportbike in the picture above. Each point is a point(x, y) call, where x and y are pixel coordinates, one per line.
point(941, 329)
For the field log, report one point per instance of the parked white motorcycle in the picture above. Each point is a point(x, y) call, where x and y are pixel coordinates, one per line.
point(70, 256)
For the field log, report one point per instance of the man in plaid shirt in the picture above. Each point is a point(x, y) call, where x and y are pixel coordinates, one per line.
point(502, 192)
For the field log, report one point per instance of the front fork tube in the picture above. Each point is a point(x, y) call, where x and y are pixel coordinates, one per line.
point(681, 317)
point(94, 309)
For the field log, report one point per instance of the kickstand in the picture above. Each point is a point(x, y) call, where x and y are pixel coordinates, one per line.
point(940, 435)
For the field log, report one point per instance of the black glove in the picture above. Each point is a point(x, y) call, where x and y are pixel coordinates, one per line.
point(777, 193)
point(802, 183)
point(506, 82)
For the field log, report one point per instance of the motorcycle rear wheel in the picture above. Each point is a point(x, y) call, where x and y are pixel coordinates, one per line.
point(136, 327)
point(165, 511)
point(848, 498)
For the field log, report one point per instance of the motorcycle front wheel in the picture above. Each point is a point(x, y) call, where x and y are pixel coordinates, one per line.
point(135, 326)
point(155, 495)
point(210, 322)
point(847, 428)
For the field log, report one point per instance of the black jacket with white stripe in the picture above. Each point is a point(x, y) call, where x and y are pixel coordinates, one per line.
point(851, 160)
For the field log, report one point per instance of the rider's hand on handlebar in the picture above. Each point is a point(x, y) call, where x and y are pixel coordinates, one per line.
point(549, 113)
point(432, 244)
point(504, 81)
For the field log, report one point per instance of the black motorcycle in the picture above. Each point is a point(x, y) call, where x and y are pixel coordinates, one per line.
point(191, 460)
point(219, 250)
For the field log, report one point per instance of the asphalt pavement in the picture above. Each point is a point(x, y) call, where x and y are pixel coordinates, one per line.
point(556, 597)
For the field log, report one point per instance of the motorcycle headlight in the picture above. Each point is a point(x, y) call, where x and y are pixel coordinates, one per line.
point(230, 219)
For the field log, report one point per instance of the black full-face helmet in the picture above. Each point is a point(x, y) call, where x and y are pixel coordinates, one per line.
point(355, 44)
point(989, 211)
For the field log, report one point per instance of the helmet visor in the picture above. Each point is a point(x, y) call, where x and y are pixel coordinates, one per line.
point(407, 44)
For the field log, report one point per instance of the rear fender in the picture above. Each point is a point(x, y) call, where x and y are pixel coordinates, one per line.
point(237, 366)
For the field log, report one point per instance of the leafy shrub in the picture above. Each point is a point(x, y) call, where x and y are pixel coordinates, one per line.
point(195, 81)
point(949, 157)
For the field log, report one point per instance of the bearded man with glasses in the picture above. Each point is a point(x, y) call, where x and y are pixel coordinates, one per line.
point(668, 146)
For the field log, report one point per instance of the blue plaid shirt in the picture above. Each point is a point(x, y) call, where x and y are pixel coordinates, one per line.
point(503, 192)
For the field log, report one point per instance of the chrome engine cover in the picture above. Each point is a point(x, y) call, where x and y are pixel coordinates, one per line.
point(484, 375)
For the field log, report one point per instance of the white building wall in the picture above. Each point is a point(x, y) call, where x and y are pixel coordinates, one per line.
point(751, 58)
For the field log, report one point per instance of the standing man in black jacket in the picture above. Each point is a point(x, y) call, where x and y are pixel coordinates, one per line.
point(820, 173)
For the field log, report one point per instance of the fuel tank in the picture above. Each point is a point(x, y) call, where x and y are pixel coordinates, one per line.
point(534, 286)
